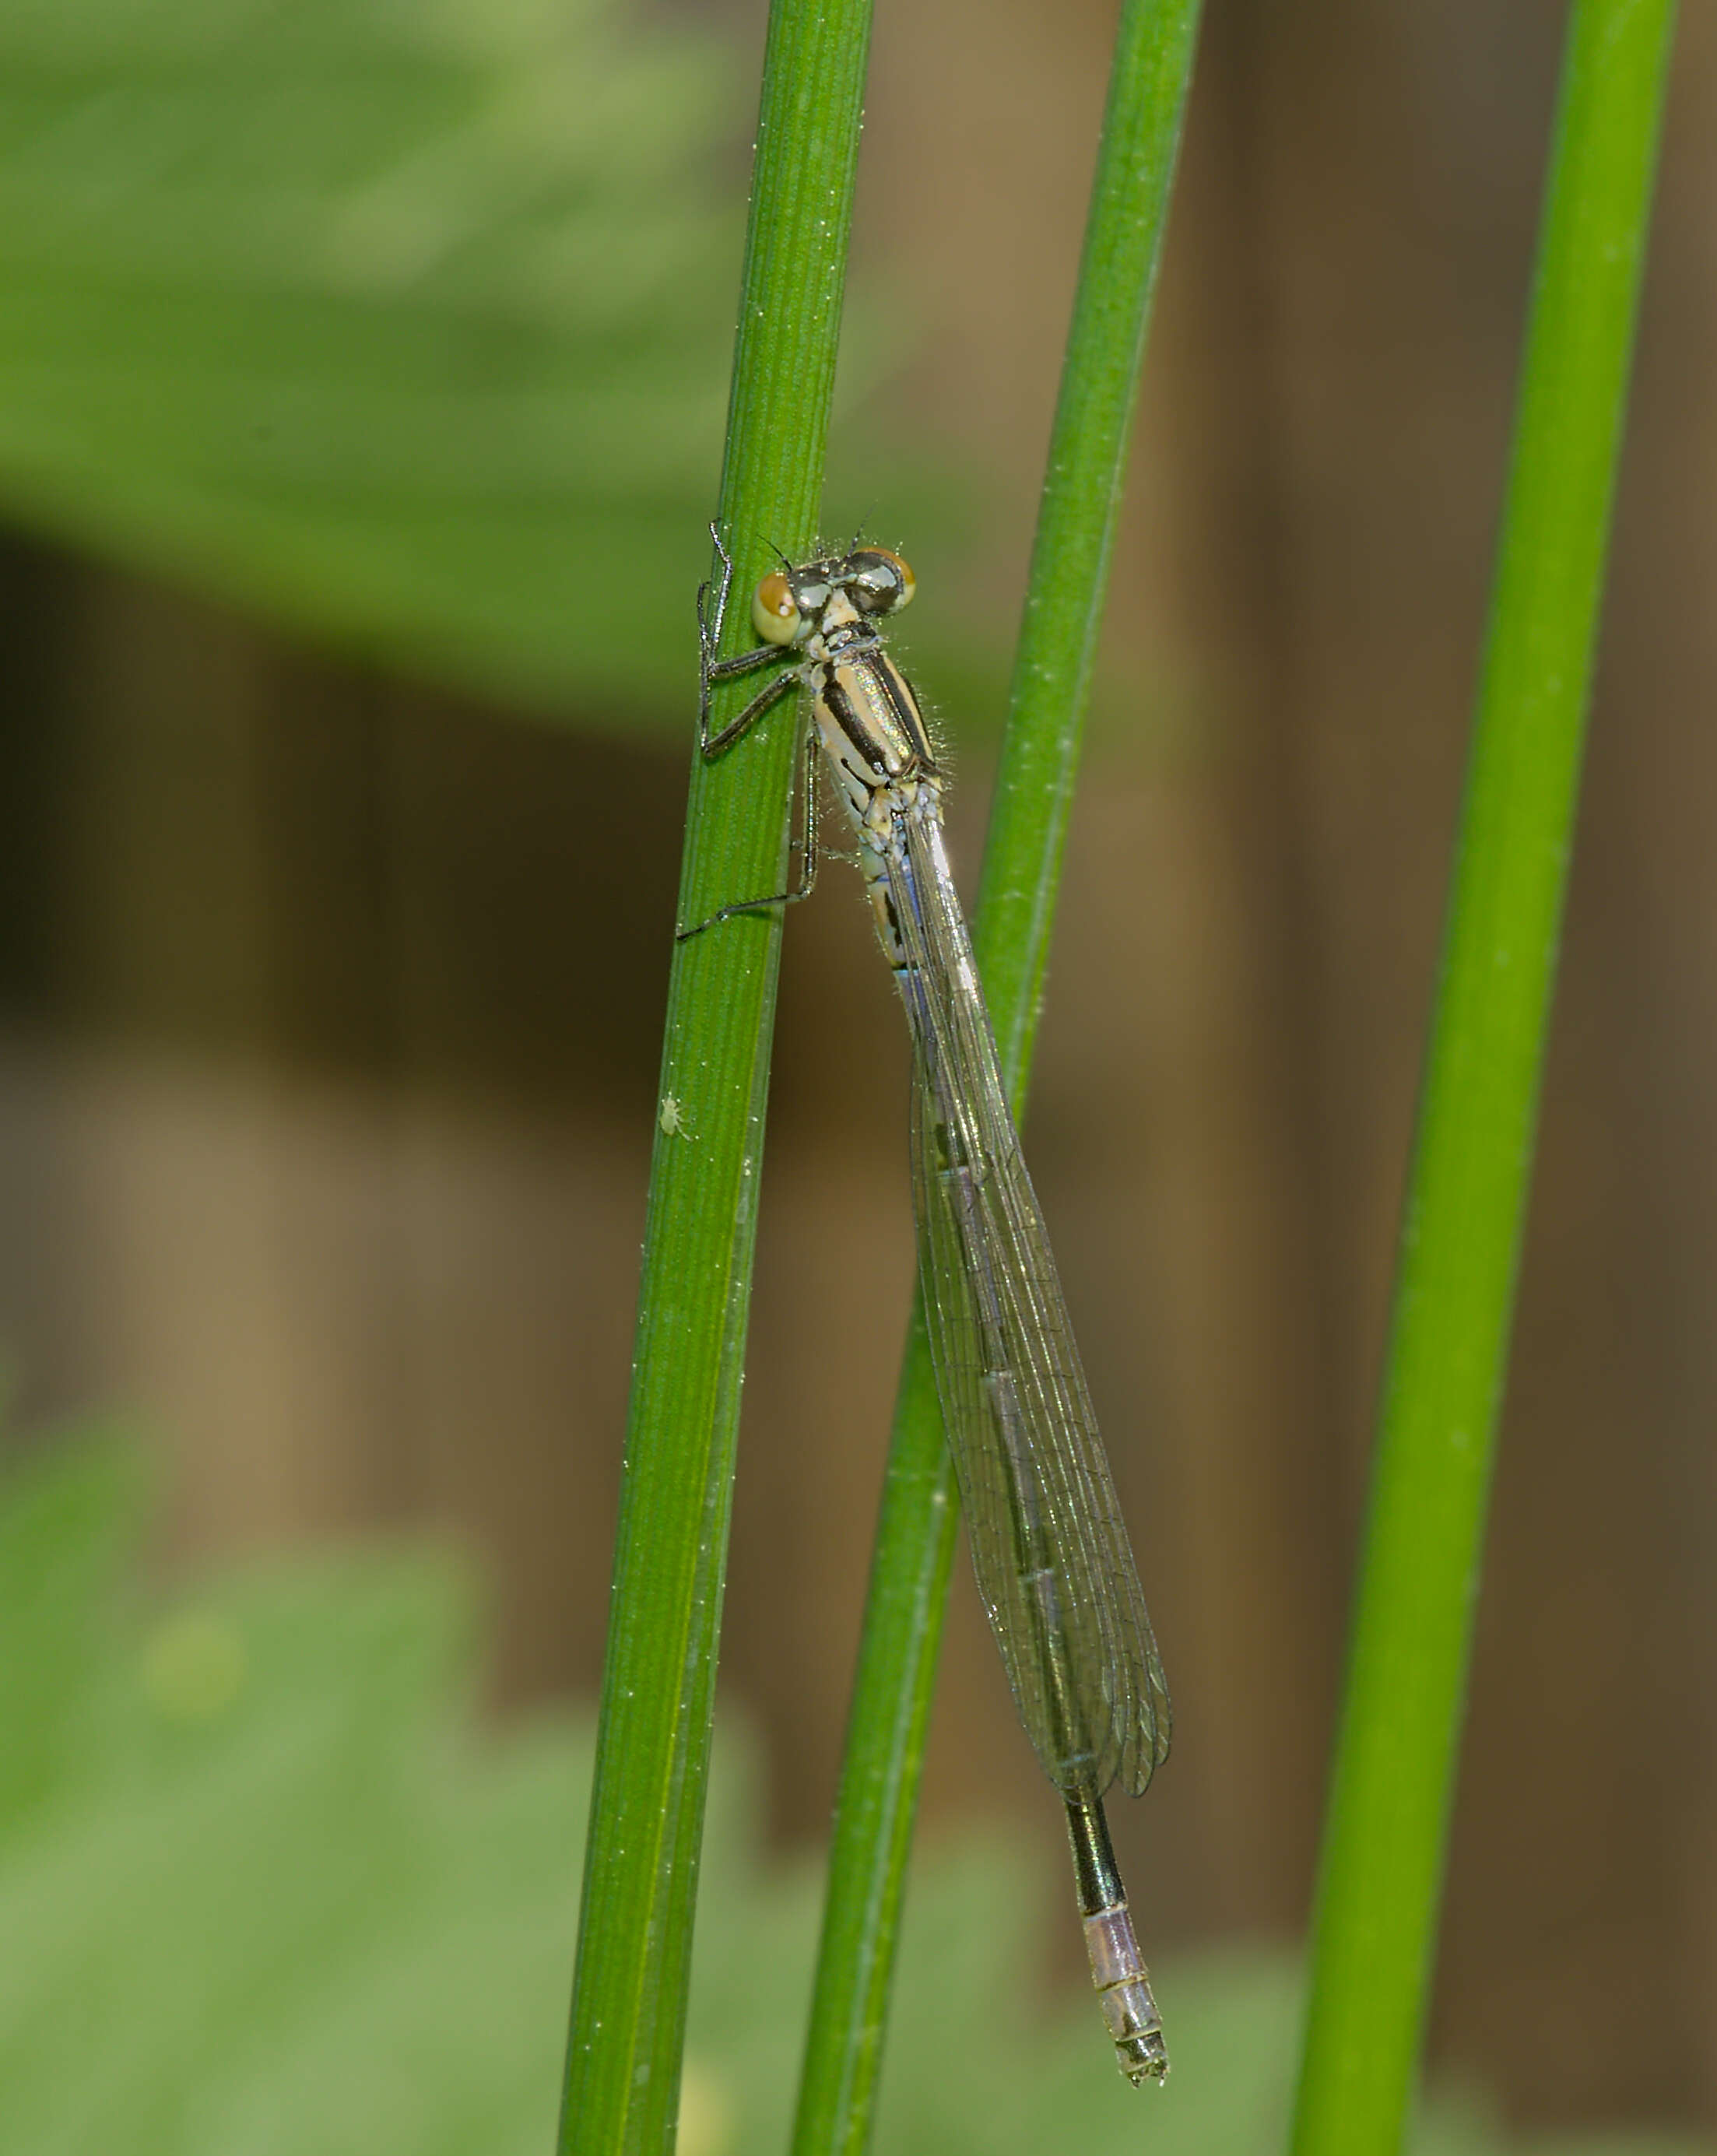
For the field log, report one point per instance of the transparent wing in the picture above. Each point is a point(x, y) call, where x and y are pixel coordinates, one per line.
point(1048, 1545)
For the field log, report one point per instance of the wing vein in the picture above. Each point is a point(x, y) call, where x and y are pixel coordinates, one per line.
point(1048, 1543)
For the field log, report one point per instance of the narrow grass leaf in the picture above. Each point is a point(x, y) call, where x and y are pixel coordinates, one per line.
point(1387, 1825)
point(641, 1867)
point(913, 1555)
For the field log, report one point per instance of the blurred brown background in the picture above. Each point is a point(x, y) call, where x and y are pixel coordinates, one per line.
point(327, 1114)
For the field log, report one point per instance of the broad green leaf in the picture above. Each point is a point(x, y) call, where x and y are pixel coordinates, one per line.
point(406, 323)
point(290, 1896)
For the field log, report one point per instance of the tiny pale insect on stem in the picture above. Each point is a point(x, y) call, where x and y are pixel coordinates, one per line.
point(1048, 1545)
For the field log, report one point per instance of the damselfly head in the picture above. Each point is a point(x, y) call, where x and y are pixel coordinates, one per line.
point(790, 603)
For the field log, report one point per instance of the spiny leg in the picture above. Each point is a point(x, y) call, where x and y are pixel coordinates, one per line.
point(806, 846)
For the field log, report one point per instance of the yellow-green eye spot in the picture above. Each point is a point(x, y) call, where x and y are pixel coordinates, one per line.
point(775, 611)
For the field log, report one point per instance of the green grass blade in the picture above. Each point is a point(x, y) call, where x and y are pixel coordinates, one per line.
point(1386, 1829)
point(914, 1553)
point(641, 1863)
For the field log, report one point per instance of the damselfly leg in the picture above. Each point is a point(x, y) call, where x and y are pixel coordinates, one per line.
point(711, 669)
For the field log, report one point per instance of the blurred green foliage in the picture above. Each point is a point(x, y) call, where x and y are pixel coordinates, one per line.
point(407, 327)
point(266, 1886)
point(406, 321)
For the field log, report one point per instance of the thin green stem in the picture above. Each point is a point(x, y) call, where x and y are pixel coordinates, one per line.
point(1387, 1826)
point(641, 1863)
point(913, 1554)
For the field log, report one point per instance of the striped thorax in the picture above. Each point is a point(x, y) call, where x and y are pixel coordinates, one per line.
point(867, 718)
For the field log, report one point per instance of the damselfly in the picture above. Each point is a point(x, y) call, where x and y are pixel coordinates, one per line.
point(1048, 1545)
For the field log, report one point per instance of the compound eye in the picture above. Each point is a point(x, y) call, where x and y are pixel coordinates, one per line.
point(775, 610)
point(883, 583)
